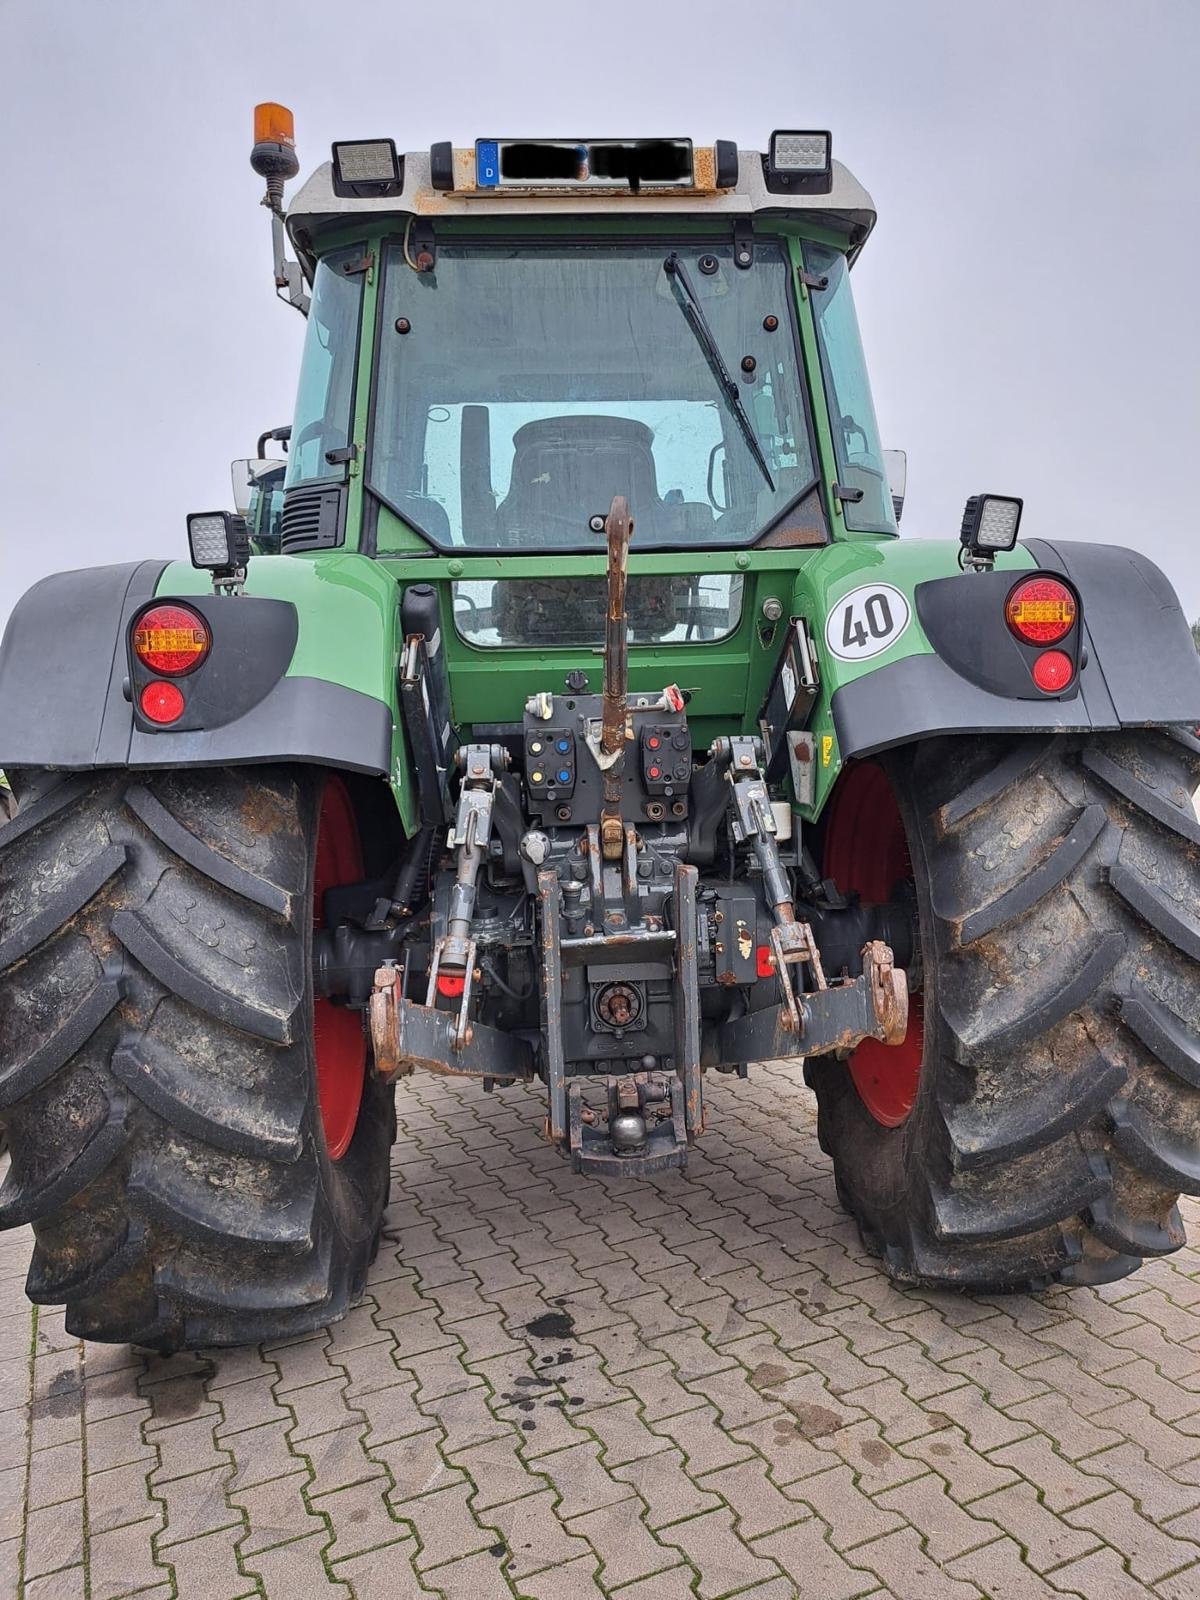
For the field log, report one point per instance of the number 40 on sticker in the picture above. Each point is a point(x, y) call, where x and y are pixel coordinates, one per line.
point(866, 621)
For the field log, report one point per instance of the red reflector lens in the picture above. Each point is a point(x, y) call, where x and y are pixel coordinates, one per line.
point(451, 984)
point(162, 702)
point(1041, 610)
point(764, 961)
point(171, 640)
point(1053, 671)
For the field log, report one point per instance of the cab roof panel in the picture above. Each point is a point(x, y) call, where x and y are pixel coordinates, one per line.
point(847, 208)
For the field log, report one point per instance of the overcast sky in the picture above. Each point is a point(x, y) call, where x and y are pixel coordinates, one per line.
point(1029, 298)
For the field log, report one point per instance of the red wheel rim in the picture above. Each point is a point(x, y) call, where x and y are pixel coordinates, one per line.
point(866, 851)
point(339, 1042)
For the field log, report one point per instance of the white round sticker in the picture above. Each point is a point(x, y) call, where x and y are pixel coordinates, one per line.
point(866, 621)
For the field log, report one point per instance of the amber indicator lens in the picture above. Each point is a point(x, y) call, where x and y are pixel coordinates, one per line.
point(171, 640)
point(1041, 610)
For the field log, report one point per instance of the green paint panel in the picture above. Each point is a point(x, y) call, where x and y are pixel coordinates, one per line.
point(347, 613)
point(850, 564)
point(345, 605)
point(728, 677)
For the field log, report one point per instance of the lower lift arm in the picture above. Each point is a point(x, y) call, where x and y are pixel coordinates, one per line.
point(820, 1018)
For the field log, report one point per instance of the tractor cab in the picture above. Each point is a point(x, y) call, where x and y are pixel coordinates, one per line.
point(538, 348)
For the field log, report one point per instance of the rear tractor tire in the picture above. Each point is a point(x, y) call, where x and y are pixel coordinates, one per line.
point(1043, 1115)
point(202, 1153)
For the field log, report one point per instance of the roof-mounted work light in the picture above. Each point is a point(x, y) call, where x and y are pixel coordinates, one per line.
point(366, 169)
point(989, 525)
point(220, 543)
point(799, 163)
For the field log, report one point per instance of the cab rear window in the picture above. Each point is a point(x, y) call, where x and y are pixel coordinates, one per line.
point(498, 613)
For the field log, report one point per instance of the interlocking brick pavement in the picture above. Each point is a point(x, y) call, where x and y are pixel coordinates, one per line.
point(560, 1388)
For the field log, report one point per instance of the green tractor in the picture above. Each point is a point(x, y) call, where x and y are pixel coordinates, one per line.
point(592, 728)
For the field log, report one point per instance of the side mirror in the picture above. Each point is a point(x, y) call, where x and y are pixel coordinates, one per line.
point(895, 463)
point(279, 435)
point(250, 475)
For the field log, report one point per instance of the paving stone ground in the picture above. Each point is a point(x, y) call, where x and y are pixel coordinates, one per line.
point(561, 1388)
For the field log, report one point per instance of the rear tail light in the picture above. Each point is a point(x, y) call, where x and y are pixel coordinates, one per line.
point(764, 961)
point(161, 702)
point(451, 984)
point(171, 640)
point(1041, 610)
point(1053, 671)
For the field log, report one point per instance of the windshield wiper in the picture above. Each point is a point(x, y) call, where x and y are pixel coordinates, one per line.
point(690, 306)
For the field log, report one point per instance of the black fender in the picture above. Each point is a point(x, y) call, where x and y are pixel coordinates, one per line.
point(1140, 665)
point(66, 682)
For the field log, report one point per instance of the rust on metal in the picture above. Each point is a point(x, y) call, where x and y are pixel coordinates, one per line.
point(618, 530)
point(610, 826)
point(794, 944)
point(832, 1018)
point(550, 906)
point(405, 1036)
point(384, 1017)
point(687, 999)
point(889, 990)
